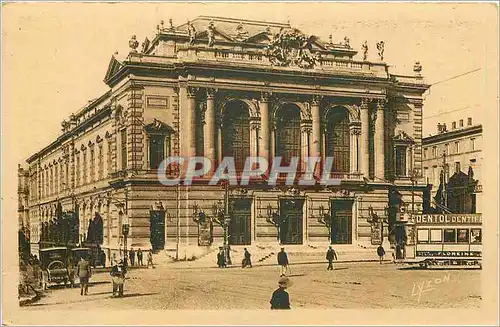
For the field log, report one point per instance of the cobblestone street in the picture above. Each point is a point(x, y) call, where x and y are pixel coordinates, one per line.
point(350, 285)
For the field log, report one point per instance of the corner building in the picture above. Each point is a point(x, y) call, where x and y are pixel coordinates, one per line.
point(218, 87)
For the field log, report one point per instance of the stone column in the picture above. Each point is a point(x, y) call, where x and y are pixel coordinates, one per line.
point(315, 145)
point(365, 134)
point(209, 131)
point(264, 126)
point(188, 130)
point(355, 131)
point(379, 143)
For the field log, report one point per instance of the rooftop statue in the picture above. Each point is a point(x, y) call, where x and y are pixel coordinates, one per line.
point(191, 32)
point(364, 47)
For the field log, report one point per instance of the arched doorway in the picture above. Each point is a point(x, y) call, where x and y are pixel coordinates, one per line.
point(288, 135)
point(338, 140)
point(236, 133)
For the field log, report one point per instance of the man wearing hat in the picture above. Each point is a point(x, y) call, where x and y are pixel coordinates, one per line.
point(221, 260)
point(283, 262)
point(280, 298)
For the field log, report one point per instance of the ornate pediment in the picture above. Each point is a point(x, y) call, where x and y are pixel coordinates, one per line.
point(158, 127)
point(290, 47)
point(401, 137)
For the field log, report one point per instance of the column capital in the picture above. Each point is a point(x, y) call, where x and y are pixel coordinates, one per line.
point(381, 103)
point(316, 99)
point(264, 96)
point(211, 93)
point(365, 102)
point(191, 91)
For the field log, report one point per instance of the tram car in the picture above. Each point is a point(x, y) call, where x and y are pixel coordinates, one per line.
point(441, 240)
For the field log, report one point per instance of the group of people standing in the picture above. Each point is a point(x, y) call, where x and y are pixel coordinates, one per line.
point(132, 255)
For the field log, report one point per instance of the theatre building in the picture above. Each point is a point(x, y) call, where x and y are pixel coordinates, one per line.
point(221, 87)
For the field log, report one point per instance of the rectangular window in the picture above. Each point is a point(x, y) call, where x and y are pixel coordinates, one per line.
point(457, 166)
point(469, 121)
point(434, 151)
point(454, 125)
point(457, 147)
point(426, 175)
point(434, 174)
point(156, 150)
point(461, 123)
point(436, 236)
point(400, 161)
point(92, 165)
point(423, 235)
point(425, 153)
point(450, 236)
point(463, 235)
point(473, 144)
point(447, 149)
point(123, 140)
point(100, 163)
point(475, 236)
point(67, 175)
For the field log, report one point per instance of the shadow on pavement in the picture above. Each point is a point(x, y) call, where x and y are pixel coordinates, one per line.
point(434, 269)
point(138, 294)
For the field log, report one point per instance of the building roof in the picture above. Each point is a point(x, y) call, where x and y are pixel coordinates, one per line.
point(451, 135)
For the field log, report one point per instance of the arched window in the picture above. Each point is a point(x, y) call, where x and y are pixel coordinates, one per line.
point(288, 133)
point(338, 140)
point(236, 133)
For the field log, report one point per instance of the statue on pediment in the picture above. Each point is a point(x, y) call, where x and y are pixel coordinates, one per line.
point(289, 47)
point(364, 48)
point(402, 136)
point(241, 33)
point(211, 34)
point(380, 48)
point(191, 32)
point(347, 42)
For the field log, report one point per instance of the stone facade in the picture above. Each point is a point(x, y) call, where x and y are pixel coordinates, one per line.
point(453, 149)
point(187, 91)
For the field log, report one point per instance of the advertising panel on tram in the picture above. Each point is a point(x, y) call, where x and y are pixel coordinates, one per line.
point(442, 240)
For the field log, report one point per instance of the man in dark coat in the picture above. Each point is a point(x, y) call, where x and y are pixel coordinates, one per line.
point(330, 256)
point(221, 260)
point(283, 262)
point(380, 253)
point(84, 272)
point(246, 260)
point(139, 257)
point(280, 298)
point(131, 255)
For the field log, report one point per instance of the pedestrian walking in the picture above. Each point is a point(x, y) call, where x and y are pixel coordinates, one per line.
point(221, 258)
point(380, 253)
point(150, 259)
point(330, 256)
point(84, 273)
point(131, 255)
point(282, 261)
point(280, 298)
point(139, 257)
point(117, 273)
point(247, 261)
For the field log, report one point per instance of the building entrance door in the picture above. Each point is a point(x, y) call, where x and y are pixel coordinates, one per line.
point(240, 227)
point(341, 217)
point(157, 229)
point(291, 215)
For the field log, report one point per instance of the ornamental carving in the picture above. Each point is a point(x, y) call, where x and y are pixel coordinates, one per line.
point(158, 127)
point(191, 32)
point(402, 137)
point(290, 47)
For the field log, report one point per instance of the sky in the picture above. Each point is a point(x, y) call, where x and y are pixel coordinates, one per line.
point(55, 55)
